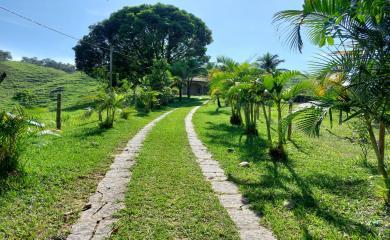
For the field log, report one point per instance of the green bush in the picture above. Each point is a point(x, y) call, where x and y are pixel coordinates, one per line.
point(13, 132)
point(125, 113)
point(146, 99)
point(166, 96)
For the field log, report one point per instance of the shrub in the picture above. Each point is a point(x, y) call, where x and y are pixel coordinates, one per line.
point(360, 137)
point(166, 96)
point(146, 99)
point(109, 103)
point(13, 133)
point(125, 113)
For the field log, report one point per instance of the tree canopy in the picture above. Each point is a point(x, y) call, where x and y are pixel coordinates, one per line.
point(141, 35)
point(47, 62)
point(5, 56)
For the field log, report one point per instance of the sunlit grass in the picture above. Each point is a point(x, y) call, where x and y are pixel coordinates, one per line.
point(323, 191)
point(168, 197)
point(59, 174)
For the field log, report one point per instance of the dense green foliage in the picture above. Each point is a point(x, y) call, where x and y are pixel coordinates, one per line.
point(140, 36)
point(5, 56)
point(357, 78)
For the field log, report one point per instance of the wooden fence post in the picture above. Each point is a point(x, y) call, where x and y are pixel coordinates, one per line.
point(58, 116)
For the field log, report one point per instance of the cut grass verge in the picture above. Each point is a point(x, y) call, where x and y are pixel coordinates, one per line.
point(168, 197)
point(59, 175)
point(323, 191)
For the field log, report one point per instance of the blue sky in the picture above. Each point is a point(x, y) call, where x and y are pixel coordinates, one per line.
point(242, 29)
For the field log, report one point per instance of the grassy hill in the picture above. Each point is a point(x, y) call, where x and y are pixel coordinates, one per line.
point(42, 83)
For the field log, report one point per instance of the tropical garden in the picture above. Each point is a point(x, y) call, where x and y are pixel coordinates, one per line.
point(307, 150)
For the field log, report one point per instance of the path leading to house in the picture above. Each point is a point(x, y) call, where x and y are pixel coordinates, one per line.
point(246, 220)
point(168, 197)
point(97, 218)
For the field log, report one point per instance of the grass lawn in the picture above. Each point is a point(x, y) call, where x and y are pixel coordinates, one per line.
point(323, 191)
point(168, 197)
point(60, 174)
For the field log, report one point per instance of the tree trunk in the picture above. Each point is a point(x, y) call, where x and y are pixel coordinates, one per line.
point(280, 134)
point(189, 83)
point(341, 118)
point(290, 106)
point(219, 102)
point(381, 160)
point(268, 126)
point(269, 114)
point(58, 115)
point(181, 92)
point(100, 116)
point(379, 149)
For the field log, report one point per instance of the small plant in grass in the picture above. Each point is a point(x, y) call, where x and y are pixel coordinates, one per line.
point(109, 103)
point(125, 113)
point(233, 99)
point(15, 128)
point(361, 137)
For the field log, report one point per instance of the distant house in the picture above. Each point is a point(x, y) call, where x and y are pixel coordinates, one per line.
point(199, 86)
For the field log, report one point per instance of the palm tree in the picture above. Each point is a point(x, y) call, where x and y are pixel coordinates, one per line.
point(195, 67)
point(226, 64)
point(277, 86)
point(269, 62)
point(179, 71)
point(361, 29)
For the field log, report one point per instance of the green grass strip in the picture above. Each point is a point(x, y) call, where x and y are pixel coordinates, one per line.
point(60, 175)
point(168, 197)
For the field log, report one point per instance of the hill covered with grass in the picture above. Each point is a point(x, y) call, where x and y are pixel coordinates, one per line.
point(41, 84)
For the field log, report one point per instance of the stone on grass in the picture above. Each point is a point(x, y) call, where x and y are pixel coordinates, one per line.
point(288, 204)
point(244, 164)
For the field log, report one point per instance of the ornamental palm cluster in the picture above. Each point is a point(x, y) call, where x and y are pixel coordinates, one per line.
point(353, 74)
point(250, 88)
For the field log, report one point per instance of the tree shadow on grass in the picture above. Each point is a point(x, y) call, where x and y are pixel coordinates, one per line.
point(299, 148)
point(79, 106)
point(85, 133)
point(280, 182)
point(250, 148)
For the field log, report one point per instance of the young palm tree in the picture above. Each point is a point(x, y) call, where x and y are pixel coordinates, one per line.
point(277, 86)
point(361, 29)
point(180, 72)
point(269, 62)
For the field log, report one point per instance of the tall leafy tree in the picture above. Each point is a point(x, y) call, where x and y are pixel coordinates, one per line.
point(5, 56)
point(360, 31)
point(141, 35)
